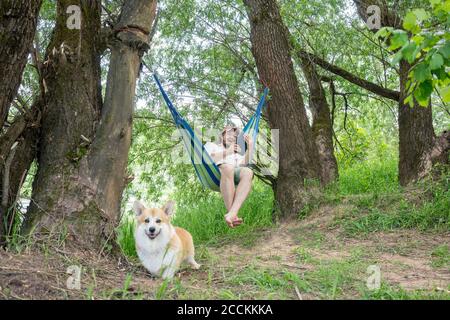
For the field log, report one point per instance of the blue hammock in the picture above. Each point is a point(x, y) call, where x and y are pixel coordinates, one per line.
point(207, 171)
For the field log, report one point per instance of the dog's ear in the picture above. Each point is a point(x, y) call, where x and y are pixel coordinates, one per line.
point(169, 207)
point(138, 207)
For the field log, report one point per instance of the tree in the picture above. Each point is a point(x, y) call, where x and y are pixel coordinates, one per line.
point(417, 139)
point(297, 151)
point(84, 141)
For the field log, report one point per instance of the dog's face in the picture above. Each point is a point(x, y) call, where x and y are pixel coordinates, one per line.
point(153, 222)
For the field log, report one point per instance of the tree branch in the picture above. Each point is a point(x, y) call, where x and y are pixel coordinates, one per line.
point(370, 86)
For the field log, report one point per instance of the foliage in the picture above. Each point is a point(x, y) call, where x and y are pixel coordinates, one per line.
point(425, 44)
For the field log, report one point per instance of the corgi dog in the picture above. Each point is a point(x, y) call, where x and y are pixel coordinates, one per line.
point(160, 246)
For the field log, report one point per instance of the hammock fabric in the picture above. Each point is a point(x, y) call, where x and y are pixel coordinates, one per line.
point(207, 171)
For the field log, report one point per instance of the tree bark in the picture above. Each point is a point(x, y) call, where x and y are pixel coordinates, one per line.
point(416, 135)
point(18, 19)
point(84, 143)
point(322, 127)
point(286, 112)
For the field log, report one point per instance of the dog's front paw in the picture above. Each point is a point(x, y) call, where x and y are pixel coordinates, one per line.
point(168, 273)
point(196, 266)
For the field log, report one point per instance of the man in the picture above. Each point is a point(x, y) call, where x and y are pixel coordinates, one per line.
point(236, 177)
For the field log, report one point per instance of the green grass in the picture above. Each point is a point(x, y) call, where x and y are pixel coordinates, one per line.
point(254, 282)
point(205, 221)
point(329, 279)
point(387, 292)
point(380, 205)
point(441, 256)
point(374, 176)
point(375, 215)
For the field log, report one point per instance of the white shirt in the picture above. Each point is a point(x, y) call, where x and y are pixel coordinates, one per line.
point(234, 159)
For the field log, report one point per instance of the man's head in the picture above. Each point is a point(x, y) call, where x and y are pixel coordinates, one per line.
point(229, 135)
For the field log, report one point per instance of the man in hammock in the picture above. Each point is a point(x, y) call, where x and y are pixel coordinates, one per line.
point(236, 177)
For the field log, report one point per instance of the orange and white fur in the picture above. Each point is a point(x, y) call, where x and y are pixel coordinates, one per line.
point(160, 246)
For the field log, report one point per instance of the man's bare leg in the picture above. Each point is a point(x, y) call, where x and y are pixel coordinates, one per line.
point(227, 188)
point(242, 191)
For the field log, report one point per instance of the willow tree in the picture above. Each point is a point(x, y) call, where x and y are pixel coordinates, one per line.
point(84, 139)
point(298, 155)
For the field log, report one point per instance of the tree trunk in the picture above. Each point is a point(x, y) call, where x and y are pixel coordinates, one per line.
point(416, 135)
point(72, 105)
point(109, 156)
point(322, 127)
point(84, 144)
point(18, 147)
point(18, 19)
point(298, 153)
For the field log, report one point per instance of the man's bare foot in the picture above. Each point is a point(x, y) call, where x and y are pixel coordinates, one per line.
point(237, 221)
point(232, 220)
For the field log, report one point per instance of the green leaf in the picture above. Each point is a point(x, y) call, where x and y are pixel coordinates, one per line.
point(440, 73)
point(436, 61)
point(445, 50)
point(383, 32)
point(398, 40)
point(410, 22)
point(421, 14)
point(423, 92)
point(422, 72)
point(396, 58)
point(409, 52)
point(409, 100)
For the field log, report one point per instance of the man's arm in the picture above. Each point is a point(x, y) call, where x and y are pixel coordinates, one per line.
point(249, 151)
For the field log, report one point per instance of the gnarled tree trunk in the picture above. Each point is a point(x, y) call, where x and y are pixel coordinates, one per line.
point(297, 151)
point(72, 106)
point(84, 144)
point(322, 127)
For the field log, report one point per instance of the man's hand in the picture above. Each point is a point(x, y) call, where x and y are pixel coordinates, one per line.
point(249, 141)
